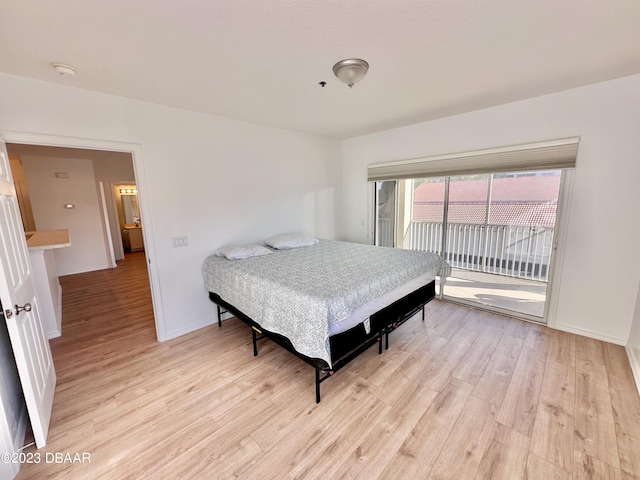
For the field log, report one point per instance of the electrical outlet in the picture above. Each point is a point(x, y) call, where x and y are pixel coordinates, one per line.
point(180, 242)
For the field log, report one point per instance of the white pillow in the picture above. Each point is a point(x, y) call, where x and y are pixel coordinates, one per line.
point(291, 240)
point(238, 252)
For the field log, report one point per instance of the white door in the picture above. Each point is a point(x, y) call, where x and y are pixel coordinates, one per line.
point(30, 345)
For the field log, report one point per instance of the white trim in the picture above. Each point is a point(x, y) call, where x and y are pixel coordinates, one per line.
point(183, 331)
point(135, 150)
point(562, 227)
point(107, 226)
point(370, 218)
point(117, 215)
point(58, 308)
point(490, 308)
point(590, 333)
point(635, 365)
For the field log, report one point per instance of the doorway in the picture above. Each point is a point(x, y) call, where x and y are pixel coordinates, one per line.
point(64, 189)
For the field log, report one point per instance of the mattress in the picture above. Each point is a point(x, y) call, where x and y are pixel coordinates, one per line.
point(310, 293)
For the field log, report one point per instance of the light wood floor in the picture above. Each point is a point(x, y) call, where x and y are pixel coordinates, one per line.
point(464, 395)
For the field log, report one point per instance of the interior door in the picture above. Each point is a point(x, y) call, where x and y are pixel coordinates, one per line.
point(17, 294)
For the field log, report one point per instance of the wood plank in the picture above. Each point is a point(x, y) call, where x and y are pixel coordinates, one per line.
point(519, 408)
point(494, 382)
point(552, 436)
point(348, 388)
point(538, 469)
point(394, 367)
point(472, 366)
point(589, 349)
point(316, 431)
point(589, 468)
point(595, 432)
point(463, 451)
point(538, 338)
point(506, 456)
point(449, 320)
point(418, 452)
point(405, 377)
point(518, 329)
point(617, 362)
point(373, 452)
point(625, 403)
point(562, 348)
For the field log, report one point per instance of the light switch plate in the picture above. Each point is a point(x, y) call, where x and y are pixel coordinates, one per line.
point(180, 242)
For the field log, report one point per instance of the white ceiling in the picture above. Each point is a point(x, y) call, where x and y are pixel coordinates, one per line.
point(261, 60)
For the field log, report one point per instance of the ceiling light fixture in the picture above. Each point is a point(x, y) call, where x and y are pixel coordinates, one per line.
point(64, 69)
point(350, 70)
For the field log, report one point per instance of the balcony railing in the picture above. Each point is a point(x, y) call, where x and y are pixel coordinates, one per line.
point(510, 250)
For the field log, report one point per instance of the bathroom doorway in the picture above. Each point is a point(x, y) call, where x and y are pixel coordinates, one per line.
point(127, 207)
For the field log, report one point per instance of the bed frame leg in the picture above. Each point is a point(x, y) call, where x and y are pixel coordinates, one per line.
point(219, 317)
point(254, 337)
point(317, 386)
point(423, 312)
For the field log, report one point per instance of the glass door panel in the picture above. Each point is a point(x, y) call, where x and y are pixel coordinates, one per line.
point(386, 211)
point(505, 263)
point(467, 211)
point(426, 229)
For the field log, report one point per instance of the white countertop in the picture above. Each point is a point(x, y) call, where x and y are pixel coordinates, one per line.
point(47, 239)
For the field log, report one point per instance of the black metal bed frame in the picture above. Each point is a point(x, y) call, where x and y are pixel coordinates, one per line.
point(347, 345)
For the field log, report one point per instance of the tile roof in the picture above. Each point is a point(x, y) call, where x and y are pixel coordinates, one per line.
point(540, 188)
point(501, 213)
point(522, 200)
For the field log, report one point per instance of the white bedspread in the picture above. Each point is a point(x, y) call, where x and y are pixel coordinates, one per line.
point(302, 293)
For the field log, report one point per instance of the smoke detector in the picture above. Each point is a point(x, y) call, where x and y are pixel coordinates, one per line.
point(64, 69)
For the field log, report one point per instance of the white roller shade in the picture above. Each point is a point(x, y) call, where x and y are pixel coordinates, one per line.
point(550, 155)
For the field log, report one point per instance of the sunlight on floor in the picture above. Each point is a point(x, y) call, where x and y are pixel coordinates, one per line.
point(515, 294)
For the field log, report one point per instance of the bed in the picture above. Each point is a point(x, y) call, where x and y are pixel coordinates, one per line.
point(326, 302)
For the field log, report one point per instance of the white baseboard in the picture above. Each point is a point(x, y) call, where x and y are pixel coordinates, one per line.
point(213, 320)
point(193, 328)
point(634, 361)
point(589, 333)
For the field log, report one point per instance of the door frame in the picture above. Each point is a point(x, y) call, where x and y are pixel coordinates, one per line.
point(107, 226)
point(559, 247)
point(135, 149)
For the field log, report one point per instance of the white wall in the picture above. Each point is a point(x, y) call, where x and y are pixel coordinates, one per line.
point(215, 180)
point(88, 250)
point(601, 269)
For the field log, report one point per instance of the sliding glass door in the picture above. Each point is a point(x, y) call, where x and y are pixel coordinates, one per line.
point(495, 230)
point(386, 197)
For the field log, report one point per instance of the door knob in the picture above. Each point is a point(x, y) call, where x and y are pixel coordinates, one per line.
point(25, 308)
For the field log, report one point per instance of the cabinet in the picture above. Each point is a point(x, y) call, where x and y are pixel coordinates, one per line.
point(135, 239)
point(45, 276)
